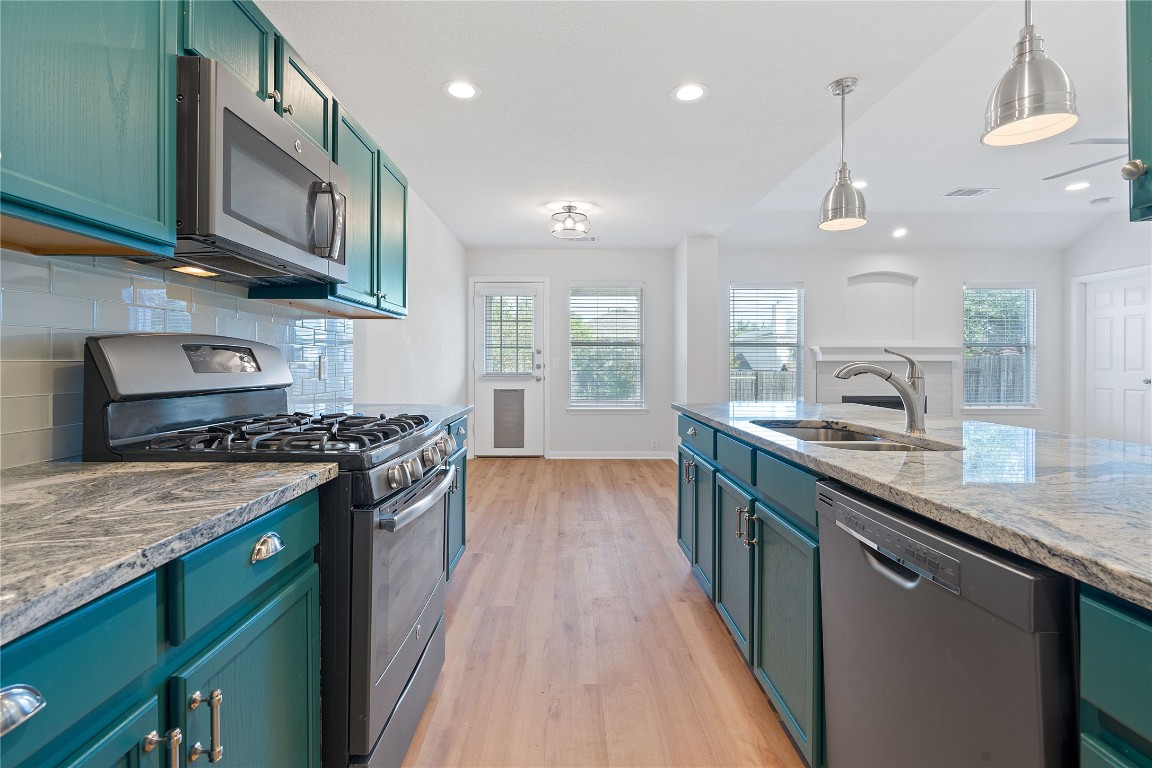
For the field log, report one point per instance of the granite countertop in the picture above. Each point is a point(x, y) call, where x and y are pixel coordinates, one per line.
point(73, 531)
point(1081, 506)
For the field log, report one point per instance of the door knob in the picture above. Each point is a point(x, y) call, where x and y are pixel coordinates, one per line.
point(1133, 169)
point(539, 378)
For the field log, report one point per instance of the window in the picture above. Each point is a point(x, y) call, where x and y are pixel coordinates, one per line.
point(766, 344)
point(508, 334)
point(1000, 346)
point(606, 339)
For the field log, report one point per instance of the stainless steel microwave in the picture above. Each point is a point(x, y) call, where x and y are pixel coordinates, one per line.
point(256, 201)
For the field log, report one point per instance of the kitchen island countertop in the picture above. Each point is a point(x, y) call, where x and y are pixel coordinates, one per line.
point(1081, 506)
point(73, 531)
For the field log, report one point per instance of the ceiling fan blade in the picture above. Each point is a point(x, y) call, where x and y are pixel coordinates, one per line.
point(1085, 167)
point(1099, 141)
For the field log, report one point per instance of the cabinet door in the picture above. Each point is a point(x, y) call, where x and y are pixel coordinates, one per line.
point(457, 514)
point(788, 629)
point(704, 555)
point(306, 102)
point(355, 153)
point(87, 117)
point(735, 527)
point(686, 503)
point(393, 238)
point(126, 744)
point(236, 34)
point(1140, 103)
point(267, 673)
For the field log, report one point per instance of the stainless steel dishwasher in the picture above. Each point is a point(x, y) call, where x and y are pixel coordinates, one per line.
point(939, 651)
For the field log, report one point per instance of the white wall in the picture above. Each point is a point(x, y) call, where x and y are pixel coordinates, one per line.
point(421, 359)
point(1117, 243)
point(937, 307)
point(584, 435)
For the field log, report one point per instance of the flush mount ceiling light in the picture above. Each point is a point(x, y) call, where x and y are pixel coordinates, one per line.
point(689, 92)
point(843, 206)
point(461, 89)
point(1034, 99)
point(570, 224)
point(1077, 186)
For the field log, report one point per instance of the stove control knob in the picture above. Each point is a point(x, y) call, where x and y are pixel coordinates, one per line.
point(399, 476)
point(447, 444)
point(430, 456)
point(415, 471)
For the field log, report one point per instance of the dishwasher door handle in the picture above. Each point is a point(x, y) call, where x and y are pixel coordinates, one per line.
point(900, 575)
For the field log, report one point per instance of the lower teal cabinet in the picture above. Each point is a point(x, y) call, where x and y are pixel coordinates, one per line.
point(737, 536)
point(456, 536)
point(787, 658)
point(1115, 682)
point(253, 697)
point(695, 519)
point(686, 504)
point(135, 741)
point(119, 692)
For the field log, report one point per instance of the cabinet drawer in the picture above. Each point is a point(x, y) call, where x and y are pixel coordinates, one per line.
point(80, 661)
point(701, 438)
point(1116, 663)
point(459, 430)
point(734, 458)
point(206, 583)
point(787, 488)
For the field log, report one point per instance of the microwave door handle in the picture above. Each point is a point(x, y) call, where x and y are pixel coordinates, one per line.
point(338, 203)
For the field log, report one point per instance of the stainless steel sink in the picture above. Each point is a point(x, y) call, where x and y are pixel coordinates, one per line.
point(820, 434)
point(847, 439)
point(880, 445)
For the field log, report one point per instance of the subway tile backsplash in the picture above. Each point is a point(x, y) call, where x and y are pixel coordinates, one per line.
point(49, 305)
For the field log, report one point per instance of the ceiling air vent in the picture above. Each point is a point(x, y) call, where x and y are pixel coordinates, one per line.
point(971, 191)
point(585, 239)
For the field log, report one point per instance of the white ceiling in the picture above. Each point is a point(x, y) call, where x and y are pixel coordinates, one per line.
point(575, 106)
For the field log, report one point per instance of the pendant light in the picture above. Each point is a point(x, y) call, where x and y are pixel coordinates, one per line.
point(1034, 99)
point(570, 224)
point(843, 206)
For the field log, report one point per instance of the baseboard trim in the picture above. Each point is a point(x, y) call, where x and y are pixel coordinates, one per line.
point(643, 455)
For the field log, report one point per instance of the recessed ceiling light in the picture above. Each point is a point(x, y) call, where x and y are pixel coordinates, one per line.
point(859, 183)
point(1077, 185)
point(689, 92)
point(195, 271)
point(899, 232)
point(461, 89)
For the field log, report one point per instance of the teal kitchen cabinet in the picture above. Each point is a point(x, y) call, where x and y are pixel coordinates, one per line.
point(87, 120)
point(1140, 104)
point(236, 34)
point(695, 522)
point(737, 536)
point(457, 527)
point(1115, 682)
point(376, 232)
point(787, 660)
point(305, 101)
point(686, 503)
point(119, 688)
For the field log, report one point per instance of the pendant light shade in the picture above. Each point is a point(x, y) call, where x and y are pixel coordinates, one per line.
point(843, 206)
point(570, 224)
point(1034, 99)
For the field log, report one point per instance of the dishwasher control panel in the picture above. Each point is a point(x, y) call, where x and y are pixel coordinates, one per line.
point(907, 551)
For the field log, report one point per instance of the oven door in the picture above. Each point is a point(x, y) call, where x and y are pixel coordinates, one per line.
point(397, 599)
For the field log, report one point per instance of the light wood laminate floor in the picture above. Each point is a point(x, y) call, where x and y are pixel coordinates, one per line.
point(577, 635)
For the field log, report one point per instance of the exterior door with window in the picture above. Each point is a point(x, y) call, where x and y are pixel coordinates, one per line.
point(509, 369)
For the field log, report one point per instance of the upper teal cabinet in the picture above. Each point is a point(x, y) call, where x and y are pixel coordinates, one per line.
point(236, 34)
point(393, 287)
point(306, 102)
point(87, 114)
point(356, 155)
point(1140, 104)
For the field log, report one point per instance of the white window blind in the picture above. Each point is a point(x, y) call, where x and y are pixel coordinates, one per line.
point(508, 334)
point(1000, 346)
point(606, 342)
point(766, 344)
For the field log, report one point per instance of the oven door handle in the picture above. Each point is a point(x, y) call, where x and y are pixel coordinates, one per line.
point(409, 513)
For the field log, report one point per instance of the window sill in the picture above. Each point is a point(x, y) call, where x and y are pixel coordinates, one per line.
point(1001, 409)
point(622, 411)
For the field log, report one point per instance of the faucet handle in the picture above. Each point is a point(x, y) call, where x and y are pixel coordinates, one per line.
point(914, 369)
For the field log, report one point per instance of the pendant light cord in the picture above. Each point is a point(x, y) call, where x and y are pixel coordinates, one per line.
point(843, 95)
point(1027, 13)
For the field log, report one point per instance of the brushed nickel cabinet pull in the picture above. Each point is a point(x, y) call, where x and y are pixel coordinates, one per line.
point(17, 704)
point(749, 542)
point(288, 108)
point(741, 514)
point(691, 431)
point(175, 738)
point(268, 545)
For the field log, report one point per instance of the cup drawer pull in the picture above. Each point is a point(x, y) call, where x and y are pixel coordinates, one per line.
point(269, 544)
point(17, 704)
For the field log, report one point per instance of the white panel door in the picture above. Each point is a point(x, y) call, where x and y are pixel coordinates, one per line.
point(1117, 348)
point(508, 366)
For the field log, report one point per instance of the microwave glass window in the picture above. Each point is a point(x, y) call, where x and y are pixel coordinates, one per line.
point(268, 189)
point(216, 358)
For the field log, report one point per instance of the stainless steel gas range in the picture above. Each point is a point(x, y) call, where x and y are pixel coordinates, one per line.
point(176, 397)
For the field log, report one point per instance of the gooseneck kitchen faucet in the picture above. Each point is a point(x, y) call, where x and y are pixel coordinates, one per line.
point(910, 388)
